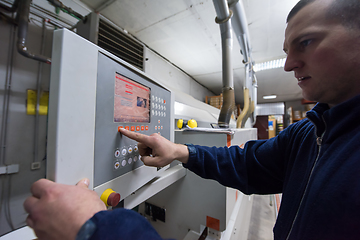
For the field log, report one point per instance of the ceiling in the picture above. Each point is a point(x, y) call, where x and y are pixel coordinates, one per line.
point(185, 32)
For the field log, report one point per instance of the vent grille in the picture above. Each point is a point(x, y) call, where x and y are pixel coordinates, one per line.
point(121, 45)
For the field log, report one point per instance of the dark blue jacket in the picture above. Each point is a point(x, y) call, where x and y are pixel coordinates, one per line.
point(314, 163)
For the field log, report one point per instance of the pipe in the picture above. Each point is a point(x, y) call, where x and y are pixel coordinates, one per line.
point(11, 9)
point(58, 4)
point(38, 92)
point(245, 109)
point(227, 107)
point(223, 19)
point(248, 113)
point(239, 23)
point(254, 98)
point(22, 17)
point(240, 26)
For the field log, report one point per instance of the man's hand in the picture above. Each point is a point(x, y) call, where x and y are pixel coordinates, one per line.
point(156, 150)
point(57, 211)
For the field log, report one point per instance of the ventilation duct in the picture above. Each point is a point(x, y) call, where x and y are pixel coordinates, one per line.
point(113, 39)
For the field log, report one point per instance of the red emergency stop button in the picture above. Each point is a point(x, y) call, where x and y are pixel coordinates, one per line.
point(110, 197)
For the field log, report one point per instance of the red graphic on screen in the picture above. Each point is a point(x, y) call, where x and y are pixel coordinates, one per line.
point(131, 101)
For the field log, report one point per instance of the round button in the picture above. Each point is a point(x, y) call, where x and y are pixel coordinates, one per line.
point(153, 97)
point(123, 163)
point(116, 165)
point(139, 157)
point(113, 199)
point(117, 153)
point(164, 114)
point(156, 98)
point(123, 151)
point(135, 148)
point(130, 160)
point(130, 150)
point(164, 108)
point(135, 158)
point(152, 112)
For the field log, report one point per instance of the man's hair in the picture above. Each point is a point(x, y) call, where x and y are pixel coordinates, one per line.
point(297, 8)
point(347, 12)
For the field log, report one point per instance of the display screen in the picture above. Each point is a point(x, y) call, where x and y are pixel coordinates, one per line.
point(131, 101)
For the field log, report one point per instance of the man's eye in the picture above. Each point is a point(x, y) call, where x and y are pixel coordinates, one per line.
point(305, 43)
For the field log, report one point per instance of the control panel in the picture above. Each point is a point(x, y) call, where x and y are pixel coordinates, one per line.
point(125, 99)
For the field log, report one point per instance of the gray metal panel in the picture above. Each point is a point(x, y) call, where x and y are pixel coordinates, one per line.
point(70, 146)
point(107, 139)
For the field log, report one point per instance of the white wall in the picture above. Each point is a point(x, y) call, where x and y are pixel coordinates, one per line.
point(170, 75)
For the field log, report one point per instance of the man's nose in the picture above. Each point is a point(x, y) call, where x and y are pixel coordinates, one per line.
point(292, 62)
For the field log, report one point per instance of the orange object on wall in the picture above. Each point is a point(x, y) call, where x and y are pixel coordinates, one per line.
point(213, 223)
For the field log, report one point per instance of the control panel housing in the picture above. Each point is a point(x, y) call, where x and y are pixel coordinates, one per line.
point(92, 94)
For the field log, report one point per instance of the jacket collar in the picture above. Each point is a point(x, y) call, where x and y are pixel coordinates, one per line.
point(322, 116)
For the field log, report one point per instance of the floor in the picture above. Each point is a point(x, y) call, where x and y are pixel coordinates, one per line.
point(263, 218)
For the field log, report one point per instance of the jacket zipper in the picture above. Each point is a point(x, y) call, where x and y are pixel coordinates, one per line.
point(318, 142)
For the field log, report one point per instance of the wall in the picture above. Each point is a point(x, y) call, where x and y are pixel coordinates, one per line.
point(174, 78)
point(264, 109)
point(18, 128)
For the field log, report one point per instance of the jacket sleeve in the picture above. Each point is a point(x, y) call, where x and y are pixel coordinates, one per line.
point(259, 168)
point(120, 224)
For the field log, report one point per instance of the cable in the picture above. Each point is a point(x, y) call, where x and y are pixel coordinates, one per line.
point(2, 191)
point(7, 205)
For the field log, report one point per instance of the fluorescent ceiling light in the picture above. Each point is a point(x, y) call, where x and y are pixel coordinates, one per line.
point(269, 97)
point(278, 63)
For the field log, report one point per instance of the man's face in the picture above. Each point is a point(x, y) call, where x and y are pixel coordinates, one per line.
point(324, 55)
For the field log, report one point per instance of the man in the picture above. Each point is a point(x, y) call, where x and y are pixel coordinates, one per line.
point(315, 163)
